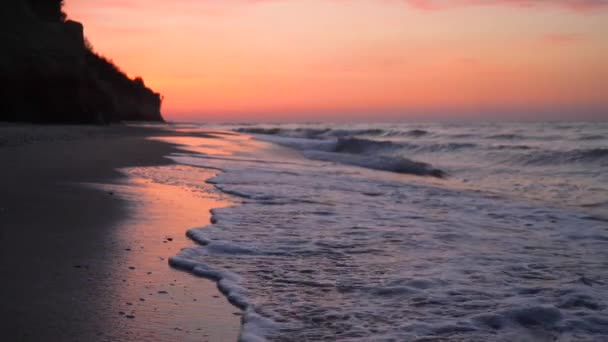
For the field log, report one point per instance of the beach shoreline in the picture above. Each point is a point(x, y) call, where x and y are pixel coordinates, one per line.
point(85, 244)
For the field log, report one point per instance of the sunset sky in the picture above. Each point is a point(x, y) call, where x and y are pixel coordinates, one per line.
point(303, 60)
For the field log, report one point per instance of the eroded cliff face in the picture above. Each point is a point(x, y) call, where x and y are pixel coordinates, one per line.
point(48, 74)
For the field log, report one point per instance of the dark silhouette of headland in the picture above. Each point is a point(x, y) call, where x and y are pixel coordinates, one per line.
point(49, 72)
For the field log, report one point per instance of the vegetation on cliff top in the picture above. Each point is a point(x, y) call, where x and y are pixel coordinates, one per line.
point(49, 73)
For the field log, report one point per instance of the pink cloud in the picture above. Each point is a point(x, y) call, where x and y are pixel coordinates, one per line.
point(575, 5)
point(427, 5)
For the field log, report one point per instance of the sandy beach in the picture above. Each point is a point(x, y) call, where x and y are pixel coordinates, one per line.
point(251, 171)
point(86, 236)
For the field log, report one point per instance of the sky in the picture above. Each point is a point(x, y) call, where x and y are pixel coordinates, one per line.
point(360, 60)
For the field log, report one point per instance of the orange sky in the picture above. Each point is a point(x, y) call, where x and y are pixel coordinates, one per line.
point(300, 60)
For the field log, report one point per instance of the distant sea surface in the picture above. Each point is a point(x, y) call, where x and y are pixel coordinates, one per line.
point(411, 232)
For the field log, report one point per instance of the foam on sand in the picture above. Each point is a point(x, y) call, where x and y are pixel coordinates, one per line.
point(325, 251)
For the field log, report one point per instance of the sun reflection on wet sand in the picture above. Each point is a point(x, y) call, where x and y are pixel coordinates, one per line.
point(152, 301)
point(212, 145)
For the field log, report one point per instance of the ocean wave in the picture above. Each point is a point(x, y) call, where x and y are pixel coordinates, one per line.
point(352, 132)
point(447, 147)
point(565, 157)
point(324, 133)
point(417, 132)
point(392, 164)
point(408, 133)
point(307, 133)
point(591, 137)
point(513, 147)
point(462, 136)
point(258, 130)
point(371, 154)
point(411, 263)
point(535, 156)
point(522, 137)
point(505, 136)
point(365, 146)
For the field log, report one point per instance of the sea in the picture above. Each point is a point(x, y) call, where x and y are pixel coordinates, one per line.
point(407, 231)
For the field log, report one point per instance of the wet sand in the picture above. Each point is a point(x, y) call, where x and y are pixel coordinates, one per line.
point(85, 246)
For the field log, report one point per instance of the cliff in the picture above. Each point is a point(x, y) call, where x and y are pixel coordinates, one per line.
point(48, 74)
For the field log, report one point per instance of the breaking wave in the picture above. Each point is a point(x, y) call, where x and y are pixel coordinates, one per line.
point(565, 157)
point(315, 252)
point(322, 133)
point(392, 164)
point(564, 164)
point(381, 143)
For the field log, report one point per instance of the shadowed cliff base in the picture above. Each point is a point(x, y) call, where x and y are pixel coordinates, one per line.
point(49, 73)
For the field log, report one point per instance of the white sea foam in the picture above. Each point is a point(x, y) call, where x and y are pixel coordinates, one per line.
point(324, 251)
